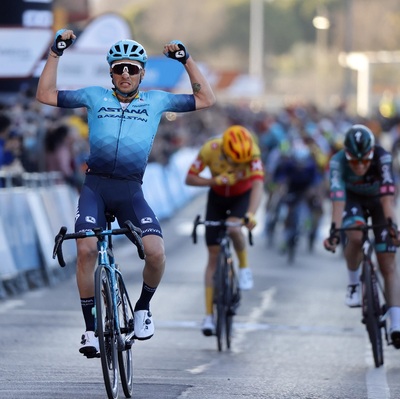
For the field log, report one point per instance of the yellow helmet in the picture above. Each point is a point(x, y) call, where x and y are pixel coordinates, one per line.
point(237, 144)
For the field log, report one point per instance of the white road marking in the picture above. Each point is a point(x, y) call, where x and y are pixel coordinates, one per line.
point(375, 378)
point(254, 317)
point(11, 304)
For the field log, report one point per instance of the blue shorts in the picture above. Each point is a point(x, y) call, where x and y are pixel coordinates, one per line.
point(123, 198)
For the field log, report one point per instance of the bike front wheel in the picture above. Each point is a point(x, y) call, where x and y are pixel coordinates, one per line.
point(106, 331)
point(125, 357)
point(372, 312)
point(219, 299)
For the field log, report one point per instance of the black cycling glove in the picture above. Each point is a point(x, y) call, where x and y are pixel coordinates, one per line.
point(180, 55)
point(59, 44)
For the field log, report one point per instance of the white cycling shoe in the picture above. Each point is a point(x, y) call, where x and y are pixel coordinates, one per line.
point(208, 326)
point(245, 279)
point(143, 324)
point(89, 345)
point(353, 296)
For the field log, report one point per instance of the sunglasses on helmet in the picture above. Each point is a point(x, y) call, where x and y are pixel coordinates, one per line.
point(132, 69)
point(356, 161)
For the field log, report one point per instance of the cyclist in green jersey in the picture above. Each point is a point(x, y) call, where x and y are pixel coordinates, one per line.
point(362, 186)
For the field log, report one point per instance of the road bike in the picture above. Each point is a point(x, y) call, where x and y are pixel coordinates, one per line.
point(226, 292)
point(373, 305)
point(113, 311)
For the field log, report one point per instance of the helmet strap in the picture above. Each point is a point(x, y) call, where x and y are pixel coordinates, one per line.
point(126, 95)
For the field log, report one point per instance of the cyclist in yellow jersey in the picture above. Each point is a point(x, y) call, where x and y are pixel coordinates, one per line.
point(236, 188)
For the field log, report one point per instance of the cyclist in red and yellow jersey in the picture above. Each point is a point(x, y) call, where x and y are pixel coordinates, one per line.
point(236, 189)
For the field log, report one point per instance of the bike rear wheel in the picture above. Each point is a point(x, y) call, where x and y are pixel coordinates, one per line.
point(106, 331)
point(125, 357)
point(372, 312)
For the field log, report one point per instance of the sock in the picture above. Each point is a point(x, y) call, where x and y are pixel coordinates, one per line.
point(394, 315)
point(354, 276)
point(209, 300)
point(242, 256)
point(87, 306)
point(144, 300)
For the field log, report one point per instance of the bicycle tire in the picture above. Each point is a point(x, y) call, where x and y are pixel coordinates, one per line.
point(125, 357)
point(372, 312)
point(219, 299)
point(105, 331)
point(229, 297)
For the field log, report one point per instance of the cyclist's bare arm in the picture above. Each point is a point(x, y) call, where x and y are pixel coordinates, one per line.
point(47, 87)
point(330, 243)
point(257, 191)
point(202, 91)
point(388, 206)
point(337, 212)
point(196, 180)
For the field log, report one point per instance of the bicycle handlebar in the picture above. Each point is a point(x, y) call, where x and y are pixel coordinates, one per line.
point(359, 227)
point(222, 223)
point(98, 232)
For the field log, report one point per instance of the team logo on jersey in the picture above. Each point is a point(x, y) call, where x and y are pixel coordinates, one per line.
point(90, 219)
point(197, 164)
point(335, 180)
point(386, 175)
point(256, 165)
point(387, 158)
point(146, 220)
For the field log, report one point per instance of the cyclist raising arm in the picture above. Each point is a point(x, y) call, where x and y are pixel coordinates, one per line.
point(122, 125)
point(236, 186)
point(362, 185)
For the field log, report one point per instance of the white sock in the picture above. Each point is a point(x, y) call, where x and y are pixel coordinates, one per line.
point(354, 276)
point(394, 315)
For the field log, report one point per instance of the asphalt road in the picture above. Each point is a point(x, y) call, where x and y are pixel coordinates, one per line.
point(293, 335)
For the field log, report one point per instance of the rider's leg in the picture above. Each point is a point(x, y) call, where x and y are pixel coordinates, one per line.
point(86, 260)
point(153, 269)
point(213, 251)
point(239, 245)
point(152, 273)
point(85, 266)
point(391, 278)
point(208, 326)
point(353, 257)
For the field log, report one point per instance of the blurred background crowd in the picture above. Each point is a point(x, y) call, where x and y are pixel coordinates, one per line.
point(38, 138)
point(296, 73)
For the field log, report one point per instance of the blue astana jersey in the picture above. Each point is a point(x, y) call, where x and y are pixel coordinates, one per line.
point(121, 140)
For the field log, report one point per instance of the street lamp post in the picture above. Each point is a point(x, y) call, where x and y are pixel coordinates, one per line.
point(321, 24)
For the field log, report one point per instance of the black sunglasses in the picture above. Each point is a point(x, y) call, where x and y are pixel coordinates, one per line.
point(132, 69)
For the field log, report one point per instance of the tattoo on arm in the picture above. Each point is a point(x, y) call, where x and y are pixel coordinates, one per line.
point(196, 87)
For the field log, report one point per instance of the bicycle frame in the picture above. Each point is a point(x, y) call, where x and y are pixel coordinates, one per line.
point(226, 291)
point(106, 259)
point(111, 297)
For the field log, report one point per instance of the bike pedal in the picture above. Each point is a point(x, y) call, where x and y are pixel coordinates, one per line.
point(128, 345)
point(91, 355)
